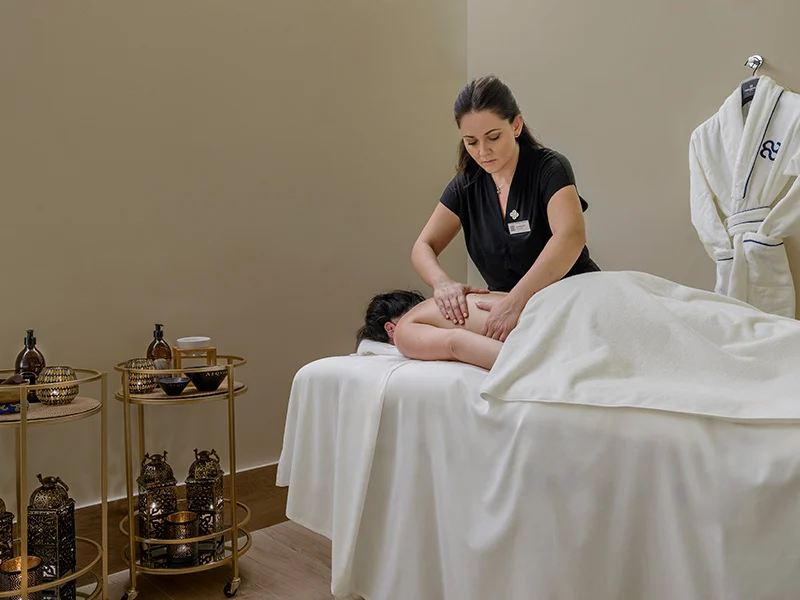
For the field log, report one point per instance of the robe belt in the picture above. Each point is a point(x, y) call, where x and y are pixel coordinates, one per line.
point(743, 228)
point(746, 221)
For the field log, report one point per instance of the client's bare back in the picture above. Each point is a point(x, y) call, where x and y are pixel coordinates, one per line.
point(428, 313)
point(424, 333)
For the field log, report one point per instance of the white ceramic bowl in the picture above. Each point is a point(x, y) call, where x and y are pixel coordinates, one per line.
point(193, 342)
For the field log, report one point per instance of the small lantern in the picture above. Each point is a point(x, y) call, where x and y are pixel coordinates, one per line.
point(6, 533)
point(158, 498)
point(51, 534)
point(204, 496)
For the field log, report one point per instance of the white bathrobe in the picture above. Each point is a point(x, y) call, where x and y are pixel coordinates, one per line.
point(745, 194)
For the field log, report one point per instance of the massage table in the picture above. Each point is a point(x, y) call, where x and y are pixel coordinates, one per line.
point(442, 481)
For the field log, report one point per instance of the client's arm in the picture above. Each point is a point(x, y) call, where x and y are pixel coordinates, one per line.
point(424, 334)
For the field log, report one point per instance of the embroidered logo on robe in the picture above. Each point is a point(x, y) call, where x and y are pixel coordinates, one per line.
point(770, 150)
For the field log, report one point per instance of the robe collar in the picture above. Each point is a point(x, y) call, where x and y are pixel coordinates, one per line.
point(742, 138)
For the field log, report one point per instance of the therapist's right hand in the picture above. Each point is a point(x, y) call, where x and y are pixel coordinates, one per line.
point(451, 298)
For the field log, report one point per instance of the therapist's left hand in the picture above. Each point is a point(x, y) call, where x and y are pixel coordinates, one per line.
point(503, 317)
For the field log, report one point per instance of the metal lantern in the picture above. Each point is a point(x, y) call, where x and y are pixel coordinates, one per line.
point(6, 533)
point(51, 534)
point(204, 496)
point(158, 498)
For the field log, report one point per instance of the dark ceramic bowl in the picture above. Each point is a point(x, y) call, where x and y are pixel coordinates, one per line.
point(10, 409)
point(206, 381)
point(173, 386)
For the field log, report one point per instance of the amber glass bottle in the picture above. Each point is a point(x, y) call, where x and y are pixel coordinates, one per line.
point(159, 350)
point(30, 362)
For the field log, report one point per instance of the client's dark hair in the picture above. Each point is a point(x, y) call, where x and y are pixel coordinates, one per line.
point(382, 309)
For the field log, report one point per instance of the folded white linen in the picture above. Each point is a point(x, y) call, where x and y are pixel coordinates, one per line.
point(637, 340)
point(370, 347)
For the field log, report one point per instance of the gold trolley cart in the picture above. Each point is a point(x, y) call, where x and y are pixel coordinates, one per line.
point(38, 414)
point(228, 390)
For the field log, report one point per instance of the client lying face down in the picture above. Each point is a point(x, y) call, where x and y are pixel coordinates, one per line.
point(419, 331)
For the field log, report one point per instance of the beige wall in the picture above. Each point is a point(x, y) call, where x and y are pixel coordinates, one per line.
point(254, 171)
point(618, 87)
point(250, 170)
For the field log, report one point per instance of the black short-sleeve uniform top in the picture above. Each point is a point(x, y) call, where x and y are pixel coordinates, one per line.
point(503, 249)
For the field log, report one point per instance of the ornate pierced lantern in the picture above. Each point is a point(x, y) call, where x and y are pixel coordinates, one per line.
point(51, 534)
point(158, 498)
point(204, 496)
point(6, 533)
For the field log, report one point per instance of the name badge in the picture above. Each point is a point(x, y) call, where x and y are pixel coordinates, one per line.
point(519, 227)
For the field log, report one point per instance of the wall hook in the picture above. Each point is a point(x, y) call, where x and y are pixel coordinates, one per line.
point(754, 62)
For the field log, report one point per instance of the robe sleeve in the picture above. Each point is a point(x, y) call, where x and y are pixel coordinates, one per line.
point(705, 214)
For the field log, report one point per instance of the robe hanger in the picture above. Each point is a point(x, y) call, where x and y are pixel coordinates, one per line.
point(749, 85)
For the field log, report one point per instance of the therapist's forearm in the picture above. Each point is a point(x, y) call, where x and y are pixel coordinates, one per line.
point(427, 265)
point(555, 261)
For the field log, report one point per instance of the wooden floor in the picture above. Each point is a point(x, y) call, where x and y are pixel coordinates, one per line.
point(286, 562)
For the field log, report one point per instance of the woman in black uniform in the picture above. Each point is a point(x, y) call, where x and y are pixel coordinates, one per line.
point(519, 207)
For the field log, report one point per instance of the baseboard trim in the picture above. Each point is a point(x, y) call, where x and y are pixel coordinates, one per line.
point(254, 487)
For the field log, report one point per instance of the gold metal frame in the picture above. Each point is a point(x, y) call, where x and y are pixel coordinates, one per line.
point(21, 429)
point(236, 548)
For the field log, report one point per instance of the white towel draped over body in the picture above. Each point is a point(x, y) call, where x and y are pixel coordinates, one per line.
point(636, 340)
point(745, 195)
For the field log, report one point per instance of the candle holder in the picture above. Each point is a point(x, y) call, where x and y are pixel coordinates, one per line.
point(6, 533)
point(11, 576)
point(182, 525)
point(141, 383)
point(204, 496)
point(57, 395)
point(51, 535)
point(158, 498)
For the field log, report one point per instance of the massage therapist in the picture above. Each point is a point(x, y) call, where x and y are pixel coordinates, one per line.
point(518, 204)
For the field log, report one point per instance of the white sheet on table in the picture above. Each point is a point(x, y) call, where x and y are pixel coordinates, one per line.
point(633, 339)
point(312, 453)
point(469, 500)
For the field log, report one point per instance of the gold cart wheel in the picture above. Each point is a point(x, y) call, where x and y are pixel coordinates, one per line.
point(232, 587)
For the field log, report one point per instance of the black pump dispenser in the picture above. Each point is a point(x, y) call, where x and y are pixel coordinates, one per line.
point(30, 362)
point(159, 350)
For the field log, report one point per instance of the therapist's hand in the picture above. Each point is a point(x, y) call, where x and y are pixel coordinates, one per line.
point(503, 317)
point(451, 298)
